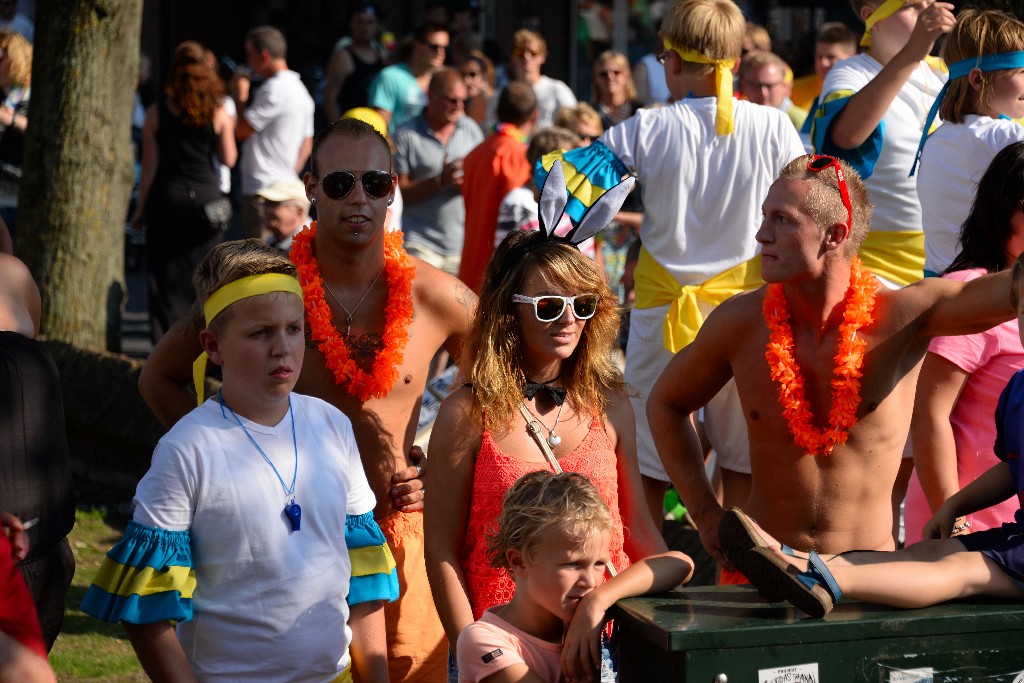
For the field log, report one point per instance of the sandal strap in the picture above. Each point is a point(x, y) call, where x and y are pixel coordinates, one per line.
point(819, 574)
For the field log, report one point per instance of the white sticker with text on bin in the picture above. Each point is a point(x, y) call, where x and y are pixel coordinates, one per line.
point(922, 675)
point(799, 673)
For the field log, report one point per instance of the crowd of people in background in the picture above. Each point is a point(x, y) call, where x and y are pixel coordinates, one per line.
point(879, 197)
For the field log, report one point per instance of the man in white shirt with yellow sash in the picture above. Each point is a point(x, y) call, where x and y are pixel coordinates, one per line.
point(705, 163)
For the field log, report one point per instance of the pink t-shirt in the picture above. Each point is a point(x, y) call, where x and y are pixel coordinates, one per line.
point(991, 357)
point(491, 644)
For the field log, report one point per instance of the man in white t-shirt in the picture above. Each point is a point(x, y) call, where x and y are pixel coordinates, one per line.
point(529, 52)
point(705, 163)
point(276, 123)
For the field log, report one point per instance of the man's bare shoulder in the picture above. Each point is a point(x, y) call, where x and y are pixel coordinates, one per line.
point(737, 313)
point(442, 294)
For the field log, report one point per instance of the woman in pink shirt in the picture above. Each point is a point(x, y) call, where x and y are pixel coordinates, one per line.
point(952, 429)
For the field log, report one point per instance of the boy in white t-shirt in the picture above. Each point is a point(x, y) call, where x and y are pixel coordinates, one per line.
point(553, 537)
point(873, 110)
point(252, 553)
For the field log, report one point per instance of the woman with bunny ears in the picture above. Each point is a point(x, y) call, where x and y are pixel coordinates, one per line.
point(541, 393)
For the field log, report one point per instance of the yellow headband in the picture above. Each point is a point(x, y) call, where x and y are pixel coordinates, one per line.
point(881, 13)
point(723, 82)
point(246, 287)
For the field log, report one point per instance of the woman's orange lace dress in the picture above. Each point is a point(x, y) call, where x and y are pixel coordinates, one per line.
point(493, 475)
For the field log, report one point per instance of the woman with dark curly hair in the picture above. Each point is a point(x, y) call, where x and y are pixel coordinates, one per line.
point(180, 200)
point(16, 86)
point(542, 392)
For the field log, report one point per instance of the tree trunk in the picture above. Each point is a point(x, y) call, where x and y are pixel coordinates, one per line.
point(79, 167)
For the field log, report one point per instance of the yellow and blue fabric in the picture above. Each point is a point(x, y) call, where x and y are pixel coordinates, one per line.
point(655, 286)
point(235, 291)
point(374, 573)
point(147, 577)
point(723, 82)
point(960, 69)
point(865, 155)
point(881, 13)
point(589, 173)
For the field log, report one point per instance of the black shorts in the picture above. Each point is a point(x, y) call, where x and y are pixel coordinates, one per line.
point(1003, 545)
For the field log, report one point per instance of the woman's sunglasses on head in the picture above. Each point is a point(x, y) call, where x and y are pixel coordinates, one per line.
point(550, 307)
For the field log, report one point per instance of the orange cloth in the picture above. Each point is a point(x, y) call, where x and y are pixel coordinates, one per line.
point(494, 474)
point(417, 647)
point(496, 167)
point(732, 577)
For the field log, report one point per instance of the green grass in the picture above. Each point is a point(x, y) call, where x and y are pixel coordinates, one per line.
point(88, 649)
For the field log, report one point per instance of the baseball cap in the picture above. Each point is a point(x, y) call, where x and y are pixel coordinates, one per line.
point(285, 190)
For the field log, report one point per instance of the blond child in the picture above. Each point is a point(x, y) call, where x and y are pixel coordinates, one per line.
point(253, 528)
point(873, 108)
point(984, 93)
point(553, 538)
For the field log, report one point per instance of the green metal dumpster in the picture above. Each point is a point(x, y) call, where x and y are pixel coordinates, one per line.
point(729, 634)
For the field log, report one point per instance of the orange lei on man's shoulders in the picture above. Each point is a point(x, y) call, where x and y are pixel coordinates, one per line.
point(849, 359)
point(331, 343)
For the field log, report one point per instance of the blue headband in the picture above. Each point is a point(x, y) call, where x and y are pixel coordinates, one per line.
point(996, 62)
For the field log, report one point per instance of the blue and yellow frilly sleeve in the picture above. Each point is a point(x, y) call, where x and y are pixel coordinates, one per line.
point(374, 573)
point(147, 577)
point(589, 173)
point(864, 157)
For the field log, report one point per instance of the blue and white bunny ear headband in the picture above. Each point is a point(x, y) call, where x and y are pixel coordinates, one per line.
point(554, 196)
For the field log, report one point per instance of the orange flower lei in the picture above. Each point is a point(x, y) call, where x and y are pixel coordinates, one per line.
point(397, 316)
point(796, 409)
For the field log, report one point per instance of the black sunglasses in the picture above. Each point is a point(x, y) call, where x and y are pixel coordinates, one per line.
point(338, 184)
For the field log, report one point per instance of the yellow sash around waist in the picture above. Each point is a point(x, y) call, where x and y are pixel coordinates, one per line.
point(897, 256)
point(656, 287)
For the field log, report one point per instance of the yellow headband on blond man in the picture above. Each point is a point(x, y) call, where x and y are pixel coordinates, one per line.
point(233, 292)
point(881, 13)
point(723, 82)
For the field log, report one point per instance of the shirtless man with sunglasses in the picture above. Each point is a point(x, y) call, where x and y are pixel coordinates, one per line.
point(823, 468)
point(351, 185)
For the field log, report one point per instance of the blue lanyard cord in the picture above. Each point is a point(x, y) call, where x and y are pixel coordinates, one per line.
point(288, 491)
point(992, 62)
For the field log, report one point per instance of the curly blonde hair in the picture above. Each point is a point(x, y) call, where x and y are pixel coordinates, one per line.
point(492, 358)
point(19, 51)
point(193, 86)
point(540, 502)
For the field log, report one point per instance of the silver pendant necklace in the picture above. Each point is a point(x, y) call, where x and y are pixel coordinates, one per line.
point(553, 440)
point(348, 313)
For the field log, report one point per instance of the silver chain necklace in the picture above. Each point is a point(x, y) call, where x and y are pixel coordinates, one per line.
point(552, 439)
point(348, 313)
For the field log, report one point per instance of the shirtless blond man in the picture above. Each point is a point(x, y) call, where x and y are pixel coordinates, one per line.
point(360, 290)
point(837, 499)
